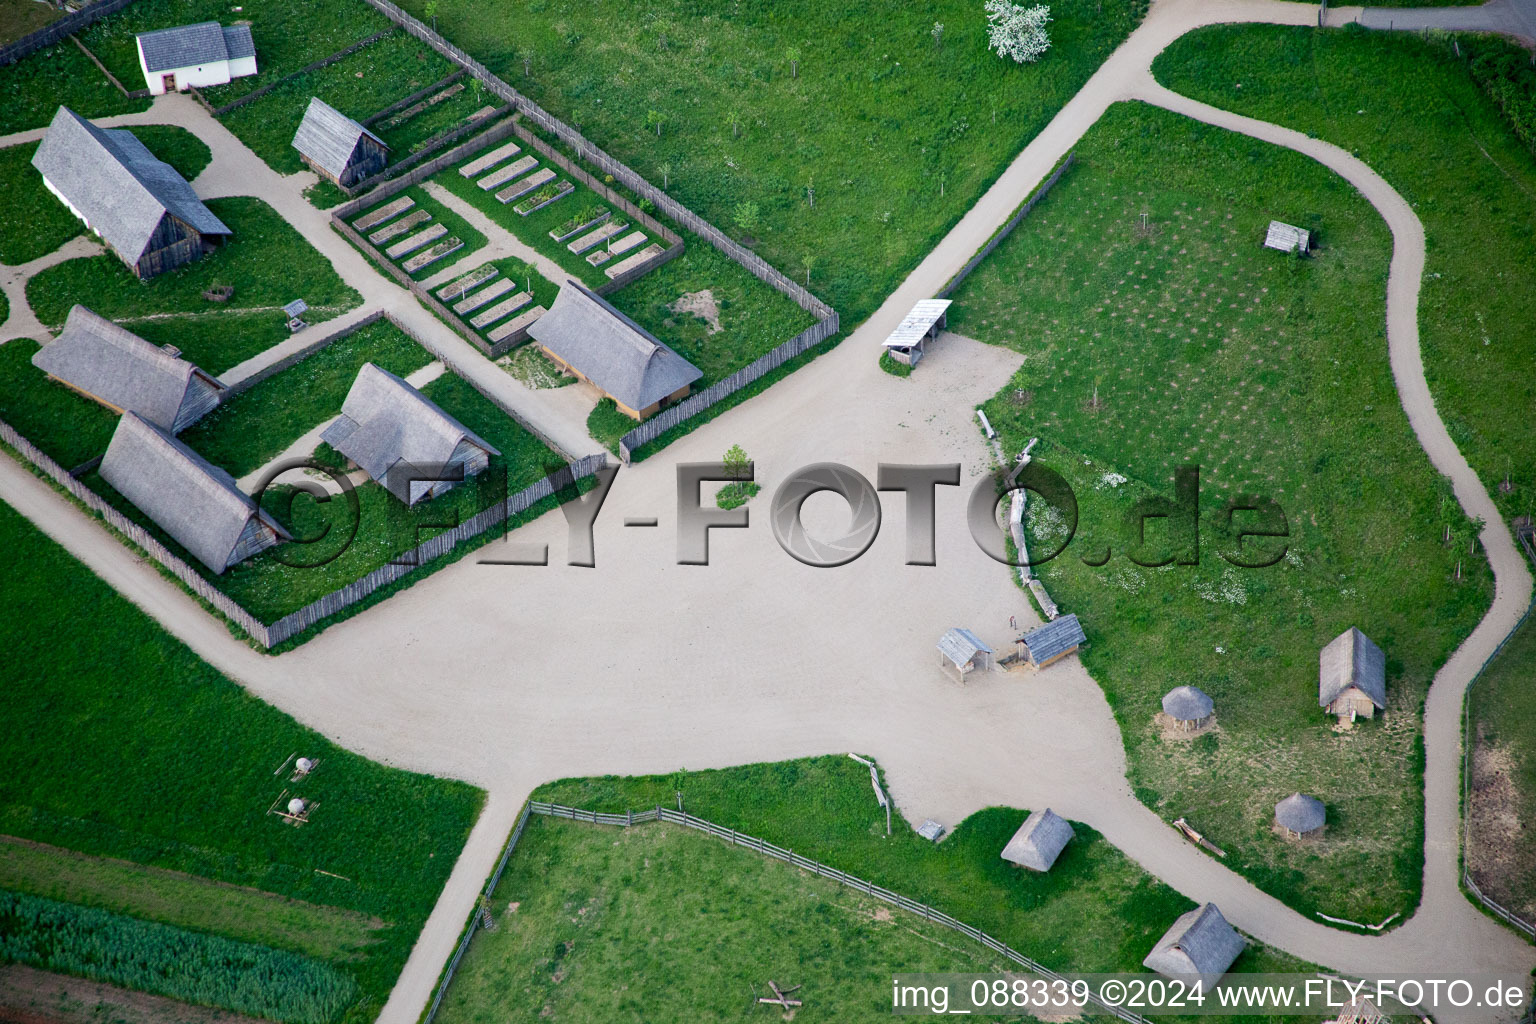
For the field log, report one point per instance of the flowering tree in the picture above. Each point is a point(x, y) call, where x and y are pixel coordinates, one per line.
point(1017, 31)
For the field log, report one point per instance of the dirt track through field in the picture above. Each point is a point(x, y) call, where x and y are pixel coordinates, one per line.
point(509, 677)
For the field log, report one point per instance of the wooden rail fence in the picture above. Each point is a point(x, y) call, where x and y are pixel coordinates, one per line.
point(60, 29)
point(1007, 228)
point(735, 838)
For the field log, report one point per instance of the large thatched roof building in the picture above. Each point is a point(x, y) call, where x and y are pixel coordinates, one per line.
point(1189, 707)
point(1300, 814)
point(137, 203)
point(337, 147)
point(587, 336)
point(1039, 841)
point(122, 371)
point(197, 503)
point(1199, 948)
point(403, 440)
point(1352, 676)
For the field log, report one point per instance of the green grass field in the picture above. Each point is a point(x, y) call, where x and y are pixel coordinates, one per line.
point(896, 135)
point(33, 89)
point(1411, 110)
point(34, 223)
point(66, 426)
point(171, 765)
point(266, 260)
point(1502, 705)
point(1179, 339)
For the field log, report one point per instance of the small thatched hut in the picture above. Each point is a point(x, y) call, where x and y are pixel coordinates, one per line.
point(1352, 676)
point(1300, 814)
point(964, 652)
point(1039, 841)
point(1199, 948)
point(1189, 707)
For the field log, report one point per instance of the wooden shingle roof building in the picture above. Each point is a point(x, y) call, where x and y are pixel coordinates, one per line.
point(1300, 814)
point(1189, 707)
point(122, 371)
point(1198, 948)
point(964, 652)
point(195, 502)
point(1052, 641)
point(1287, 238)
point(403, 440)
point(204, 54)
point(1352, 676)
point(584, 334)
point(137, 203)
point(1039, 841)
point(336, 147)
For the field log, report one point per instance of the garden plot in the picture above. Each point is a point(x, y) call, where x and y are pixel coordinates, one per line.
point(597, 236)
point(400, 226)
point(625, 266)
point(486, 161)
point(521, 188)
point(521, 322)
point(1158, 332)
point(552, 192)
point(380, 214)
point(452, 108)
point(501, 175)
point(421, 234)
point(580, 222)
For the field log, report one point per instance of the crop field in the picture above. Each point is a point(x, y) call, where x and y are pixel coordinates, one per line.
point(1158, 332)
point(358, 85)
point(894, 134)
point(33, 89)
point(173, 766)
point(1411, 110)
point(267, 261)
point(1502, 706)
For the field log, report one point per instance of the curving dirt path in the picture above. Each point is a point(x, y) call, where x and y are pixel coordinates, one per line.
point(510, 677)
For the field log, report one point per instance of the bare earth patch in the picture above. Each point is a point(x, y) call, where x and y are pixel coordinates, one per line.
point(31, 996)
point(699, 304)
point(1496, 834)
point(1168, 728)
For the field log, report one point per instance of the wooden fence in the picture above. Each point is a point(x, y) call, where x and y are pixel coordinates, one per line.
point(292, 359)
point(415, 97)
point(57, 31)
point(132, 94)
point(256, 94)
point(1007, 228)
point(630, 818)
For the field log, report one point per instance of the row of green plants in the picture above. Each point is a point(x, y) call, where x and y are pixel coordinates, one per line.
point(168, 961)
point(1506, 73)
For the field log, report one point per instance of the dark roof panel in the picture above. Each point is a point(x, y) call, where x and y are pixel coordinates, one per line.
point(329, 137)
point(184, 46)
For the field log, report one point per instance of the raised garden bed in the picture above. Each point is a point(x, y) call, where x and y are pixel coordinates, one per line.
point(591, 217)
point(598, 236)
point(502, 175)
point(430, 256)
point(628, 242)
point(501, 309)
point(485, 162)
point(625, 266)
point(391, 209)
point(543, 197)
point(489, 293)
point(513, 326)
point(519, 189)
point(459, 287)
point(426, 236)
point(399, 227)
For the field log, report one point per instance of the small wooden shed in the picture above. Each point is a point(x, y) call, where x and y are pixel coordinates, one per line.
point(1300, 815)
point(964, 652)
point(908, 341)
point(1039, 841)
point(1052, 641)
point(1189, 707)
point(336, 147)
point(1352, 676)
point(1288, 238)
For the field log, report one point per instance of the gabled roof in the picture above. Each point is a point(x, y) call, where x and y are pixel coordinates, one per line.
point(186, 46)
point(238, 41)
point(119, 187)
point(1055, 637)
point(1301, 813)
point(1039, 841)
point(611, 350)
point(1351, 659)
point(1187, 704)
point(961, 645)
point(189, 498)
point(120, 368)
point(1201, 943)
point(1286, 237)
point(917, 323)
point(390, 429)
point(329, 137)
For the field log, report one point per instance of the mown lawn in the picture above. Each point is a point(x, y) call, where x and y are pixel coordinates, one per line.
point(266, 260)
point(33, 89)
point(67, 426)
point(1411, 110)
point(896, 135)
point(1502, 704)
point(1158, 332)
point(135, 749)
point(1094, 911)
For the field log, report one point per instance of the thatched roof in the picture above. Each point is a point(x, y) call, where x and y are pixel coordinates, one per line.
point(1039, 841)
point(961, 645)
point(186, 46)
point(117, 186)
point(121, 369)
point(1188, 704)
point(1055, 637)
point(1200, 943)
point(1352, 660)
point(1301, 813)
point(329, 137)
point(394, 431)
point(608, 348)
point(194, 501)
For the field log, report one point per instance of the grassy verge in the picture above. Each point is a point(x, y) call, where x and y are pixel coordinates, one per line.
point(67, 426)
point(1158, 332)
point(20, 18)
point(266, 260)
point(1503, 706)
point(33, 89)
point(172, 765)
point(412, 134)
point(1413, 111)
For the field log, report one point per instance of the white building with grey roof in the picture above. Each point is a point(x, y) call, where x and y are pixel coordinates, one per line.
point(112, 365)
point(135, 202)
point(587, 336)
point(188, 497)
point(1352, 676)
point(403, 440)
point(1198, 948)
point(336, 147)
point(1039, 841)
point(202, 55)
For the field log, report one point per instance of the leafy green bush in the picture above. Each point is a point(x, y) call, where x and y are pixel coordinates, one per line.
point(169, 961)
point(1504, 72)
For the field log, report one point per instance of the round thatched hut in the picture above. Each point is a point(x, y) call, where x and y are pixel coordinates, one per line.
point(1300, 815)
point(1189, 707)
